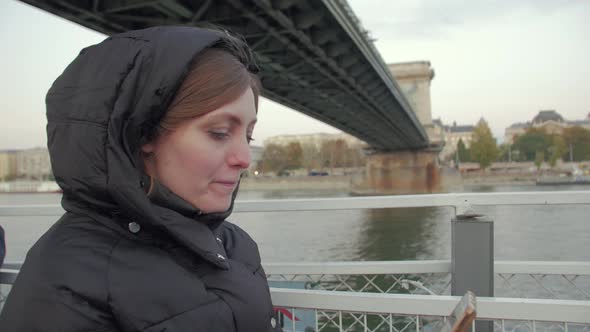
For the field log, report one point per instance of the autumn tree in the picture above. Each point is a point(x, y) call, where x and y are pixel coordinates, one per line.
point(462, 152)
point(557, 150)
point(310, 156)
point(539, 158)
point(333, 153)
point(274, 158)
point(483, 146)
point(578, 140)
point(531, 143)
point(294, 156)
point(504, 153)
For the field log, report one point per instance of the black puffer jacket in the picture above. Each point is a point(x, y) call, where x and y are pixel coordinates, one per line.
point(118, 260)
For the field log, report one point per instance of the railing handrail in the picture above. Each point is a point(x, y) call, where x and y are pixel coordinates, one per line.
point(428, 305)
point(423, 266)
point(459, 201)
point(571, 311)
point(8, 276)
point(405, 267)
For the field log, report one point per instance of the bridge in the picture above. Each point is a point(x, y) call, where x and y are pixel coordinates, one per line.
point(316, 58)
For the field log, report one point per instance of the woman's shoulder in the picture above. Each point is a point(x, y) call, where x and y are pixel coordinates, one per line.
point(73, 246)
point(239, 245)
point(235, 236)
point(75, 234)
point(64, 276)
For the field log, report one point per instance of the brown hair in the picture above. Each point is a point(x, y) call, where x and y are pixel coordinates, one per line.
point(217, 76)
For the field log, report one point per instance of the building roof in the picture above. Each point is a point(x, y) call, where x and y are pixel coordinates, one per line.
point(520, 125)
point(547, 115)
point(461, 128)
point(579, 123)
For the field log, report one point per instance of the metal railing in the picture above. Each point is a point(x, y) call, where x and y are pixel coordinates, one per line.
point(346, 311)
point(357, 305)
point(549, 280)
point(460, 202)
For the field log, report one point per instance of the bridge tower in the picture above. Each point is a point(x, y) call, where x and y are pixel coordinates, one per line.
point(408, 171)
point(414, 80)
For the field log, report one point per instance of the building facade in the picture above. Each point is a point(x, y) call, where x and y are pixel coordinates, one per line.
point(33, 164)
point(7, 165)
point(452, 135)
point(549, 120)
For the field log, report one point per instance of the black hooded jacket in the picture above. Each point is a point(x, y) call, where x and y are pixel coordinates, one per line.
point(118, 260)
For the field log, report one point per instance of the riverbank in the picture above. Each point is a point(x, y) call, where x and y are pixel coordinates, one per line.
point(344, 182)
point(296, 183)
point(499, 179)
point(452, 183)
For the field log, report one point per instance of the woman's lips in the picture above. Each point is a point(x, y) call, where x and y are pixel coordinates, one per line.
point(225, 186)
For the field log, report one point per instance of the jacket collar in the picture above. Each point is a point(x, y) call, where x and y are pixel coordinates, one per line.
point(188, 225)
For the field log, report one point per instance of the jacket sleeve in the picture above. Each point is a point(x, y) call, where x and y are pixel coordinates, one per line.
point(34, 309)
point(61, 285)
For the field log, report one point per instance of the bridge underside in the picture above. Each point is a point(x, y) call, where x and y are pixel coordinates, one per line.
point(314, 57)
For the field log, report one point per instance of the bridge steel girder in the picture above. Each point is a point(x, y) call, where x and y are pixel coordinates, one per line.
point(313, 52)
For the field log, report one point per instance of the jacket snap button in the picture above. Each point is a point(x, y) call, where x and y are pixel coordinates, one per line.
point(273, 322)
point(218, 240)
point(134, 227)
point(220, 257)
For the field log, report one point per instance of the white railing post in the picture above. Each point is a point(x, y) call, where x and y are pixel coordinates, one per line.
point(472, 259)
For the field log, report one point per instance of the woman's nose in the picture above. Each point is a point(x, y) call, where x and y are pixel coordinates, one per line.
point(241, 156)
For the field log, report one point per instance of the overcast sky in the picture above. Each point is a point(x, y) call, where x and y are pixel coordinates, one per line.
point(501, 60)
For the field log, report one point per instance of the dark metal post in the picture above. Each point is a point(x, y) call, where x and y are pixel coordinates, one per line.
point(473, 259)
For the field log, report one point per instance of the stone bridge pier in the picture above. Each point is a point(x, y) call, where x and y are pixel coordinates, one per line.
point(411, 171)
point(404, 172)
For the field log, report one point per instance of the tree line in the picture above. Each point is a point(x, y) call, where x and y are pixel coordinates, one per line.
point(295, 155)
point(536, 145)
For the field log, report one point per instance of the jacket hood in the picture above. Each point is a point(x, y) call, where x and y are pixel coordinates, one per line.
point(99, 109)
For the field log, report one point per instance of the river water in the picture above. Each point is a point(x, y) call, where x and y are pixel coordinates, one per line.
point(554, 233)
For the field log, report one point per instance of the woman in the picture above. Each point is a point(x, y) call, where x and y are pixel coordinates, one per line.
point(148, 133)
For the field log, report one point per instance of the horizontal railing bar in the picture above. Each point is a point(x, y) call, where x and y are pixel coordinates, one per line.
point(542, 267)
point(409, 267)
point(31, 210)
point(428, 305)
point(376, 267)
point(14, 265)
point(374, 202)
point(423, 266)
point(8, 276)
point(408, 201)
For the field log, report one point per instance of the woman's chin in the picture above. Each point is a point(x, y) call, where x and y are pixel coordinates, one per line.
point(218, 206)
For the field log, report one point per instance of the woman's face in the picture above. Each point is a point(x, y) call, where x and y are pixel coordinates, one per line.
point(202, 159)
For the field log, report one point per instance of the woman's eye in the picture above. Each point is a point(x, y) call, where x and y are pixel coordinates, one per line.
point(219, 135)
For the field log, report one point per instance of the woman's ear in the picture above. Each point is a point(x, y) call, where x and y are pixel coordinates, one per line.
point(147, 148)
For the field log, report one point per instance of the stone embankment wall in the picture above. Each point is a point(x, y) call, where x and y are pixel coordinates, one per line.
point(451, 181)
point(296, 182)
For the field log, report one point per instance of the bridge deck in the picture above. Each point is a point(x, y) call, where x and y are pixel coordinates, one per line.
point(315, 57)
